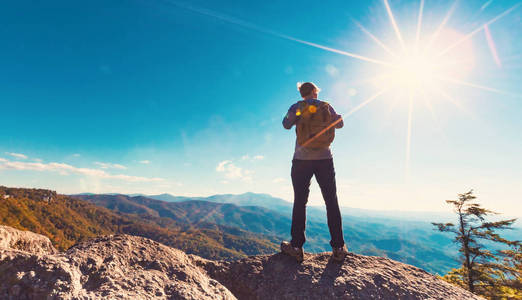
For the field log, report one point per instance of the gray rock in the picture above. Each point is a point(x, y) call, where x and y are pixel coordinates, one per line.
point(319, 277)
point(130, 267)
point(25, 241)
point(112, 267)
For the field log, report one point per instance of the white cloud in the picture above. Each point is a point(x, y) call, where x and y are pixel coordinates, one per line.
point(76, 155)
point(245, 157)
point(145, 162)
point(38, 159)
point(231, 171)
point(331, 70)
point(221, 166)
point(17, 155)
point(110, 166)
point(66, 169)
point(258, 157)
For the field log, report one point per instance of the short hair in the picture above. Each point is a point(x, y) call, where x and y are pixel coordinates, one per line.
point(307, 88)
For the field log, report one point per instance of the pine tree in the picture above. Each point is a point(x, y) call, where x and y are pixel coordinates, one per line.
point(485, 272)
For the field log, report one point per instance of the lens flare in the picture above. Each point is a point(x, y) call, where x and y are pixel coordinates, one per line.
point(418, 68)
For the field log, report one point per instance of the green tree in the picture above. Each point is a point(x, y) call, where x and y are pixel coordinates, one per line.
point(484, 271)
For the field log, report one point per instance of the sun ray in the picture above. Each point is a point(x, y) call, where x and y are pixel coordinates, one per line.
point(441, 26)
point(477, 86)
point(492, 47)
point(408, 134)
point(375, 39)
point(364, 103)
point(251, 26)
point(394, 24)
point(419, 24)
point(469, 35)
point(360, 57)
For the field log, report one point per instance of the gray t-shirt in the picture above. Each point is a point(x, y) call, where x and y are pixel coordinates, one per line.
point(307, 153)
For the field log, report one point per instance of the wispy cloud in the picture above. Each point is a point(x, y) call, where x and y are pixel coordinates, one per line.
point(258, 157)
point(221, 166)
point(110, 165)
point(76, 155)
point(66, 169)
point(17, 155)
point(231, 171)
point(145, 162)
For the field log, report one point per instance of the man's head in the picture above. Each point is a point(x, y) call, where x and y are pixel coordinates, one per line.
point(308, 90)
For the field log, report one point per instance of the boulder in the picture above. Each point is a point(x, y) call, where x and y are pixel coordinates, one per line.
point(25, 241)
point(319, 277)
point(112, 267)
point(131, 267)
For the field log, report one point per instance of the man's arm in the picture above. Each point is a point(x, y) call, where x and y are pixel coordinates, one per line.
point(291, 117)
point(340, 124)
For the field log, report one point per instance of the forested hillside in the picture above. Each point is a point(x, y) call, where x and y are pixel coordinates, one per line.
point(67, 220)
point(407, 242)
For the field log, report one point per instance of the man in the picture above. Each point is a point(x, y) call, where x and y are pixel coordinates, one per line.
point(315, 122)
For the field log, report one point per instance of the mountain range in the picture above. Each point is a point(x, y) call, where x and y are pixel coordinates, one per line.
point(412, 242)
point(68, 220)
point(221, 226)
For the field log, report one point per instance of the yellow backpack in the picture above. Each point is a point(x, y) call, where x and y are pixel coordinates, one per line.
point(312, 123)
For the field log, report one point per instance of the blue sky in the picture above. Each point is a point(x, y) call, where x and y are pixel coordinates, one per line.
point(165, 96)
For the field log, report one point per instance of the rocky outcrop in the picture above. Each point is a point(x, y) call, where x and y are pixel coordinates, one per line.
point(25, 240)
point(319, 277)
point(112, 267)
point(130, 267)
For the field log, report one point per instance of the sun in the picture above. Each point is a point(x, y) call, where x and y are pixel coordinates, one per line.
point(422, 69)
point(411, 72)
point(419, 69)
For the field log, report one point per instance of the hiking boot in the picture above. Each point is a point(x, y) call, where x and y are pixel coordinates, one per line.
point(338, 254)
point(295, 252)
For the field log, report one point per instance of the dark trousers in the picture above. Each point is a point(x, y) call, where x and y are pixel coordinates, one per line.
point(302, 172)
